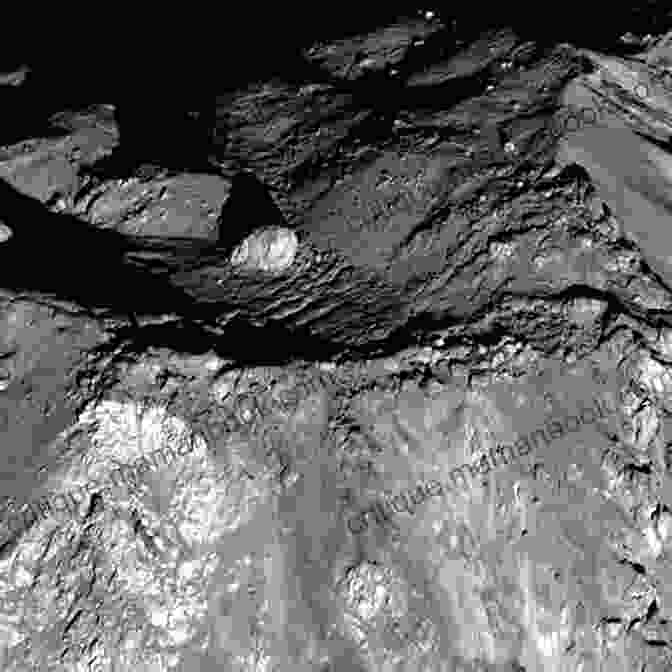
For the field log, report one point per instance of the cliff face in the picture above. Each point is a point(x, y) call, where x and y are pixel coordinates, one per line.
point(373, 377)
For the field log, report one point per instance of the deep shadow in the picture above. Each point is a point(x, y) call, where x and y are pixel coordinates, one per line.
point(61, 256)
point(165, 88)
point(157, 75)
point(270, 345)
point(248, 206)
point(596, 25)
point(58, 256)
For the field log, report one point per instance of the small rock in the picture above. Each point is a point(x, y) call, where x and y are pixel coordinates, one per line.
point(5, 233)
point(5, 381)
point(271, 249)
point(14, 78)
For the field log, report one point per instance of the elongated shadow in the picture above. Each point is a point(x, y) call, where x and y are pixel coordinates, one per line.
point(56, 256)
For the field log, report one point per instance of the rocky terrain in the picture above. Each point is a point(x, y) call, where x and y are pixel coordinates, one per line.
point(381, 385)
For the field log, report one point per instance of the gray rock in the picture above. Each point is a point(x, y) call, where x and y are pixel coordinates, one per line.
point(272, 249)
point(5, 233)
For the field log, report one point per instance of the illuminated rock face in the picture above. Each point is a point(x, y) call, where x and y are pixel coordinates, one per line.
point(271, 249)
point(14, 77)
point(5, 233)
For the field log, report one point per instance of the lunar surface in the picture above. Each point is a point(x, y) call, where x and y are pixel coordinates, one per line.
point(337, 342)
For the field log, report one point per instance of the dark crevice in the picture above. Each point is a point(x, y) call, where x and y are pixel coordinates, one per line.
point(249, 345)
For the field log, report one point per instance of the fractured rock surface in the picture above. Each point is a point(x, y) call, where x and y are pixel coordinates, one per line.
point(272, 249)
